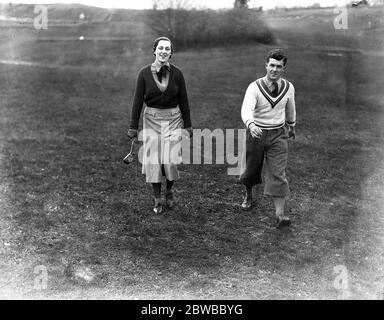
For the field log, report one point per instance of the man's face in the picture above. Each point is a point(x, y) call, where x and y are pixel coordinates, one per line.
point(275, 69)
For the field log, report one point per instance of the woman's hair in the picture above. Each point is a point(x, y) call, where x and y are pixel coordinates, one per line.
point(277, 54)
point(156, 42)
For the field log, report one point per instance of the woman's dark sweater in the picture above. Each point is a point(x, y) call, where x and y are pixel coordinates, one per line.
point(147, 91)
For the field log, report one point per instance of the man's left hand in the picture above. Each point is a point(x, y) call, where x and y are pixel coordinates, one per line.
point(291, 132)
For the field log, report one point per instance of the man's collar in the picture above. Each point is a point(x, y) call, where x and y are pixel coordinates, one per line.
point(157, 66)
point(269, 82)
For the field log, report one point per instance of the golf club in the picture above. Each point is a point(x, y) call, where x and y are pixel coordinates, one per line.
point(129, 157)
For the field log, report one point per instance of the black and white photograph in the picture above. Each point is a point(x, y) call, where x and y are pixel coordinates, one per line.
point(161, 150)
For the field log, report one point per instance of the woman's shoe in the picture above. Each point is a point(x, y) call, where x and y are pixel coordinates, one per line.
point(283, 221)
point(247, 203)
point(169, 199)
point(158, 206)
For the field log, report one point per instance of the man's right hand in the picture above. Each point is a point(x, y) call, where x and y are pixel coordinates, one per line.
point(132, 133)
point(256, 132)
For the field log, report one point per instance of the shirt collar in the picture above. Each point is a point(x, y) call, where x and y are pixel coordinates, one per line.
point(269, 83)
point(155, 67)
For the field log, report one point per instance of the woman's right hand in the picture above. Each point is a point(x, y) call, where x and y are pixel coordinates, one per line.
point(190, 131)
point(132, 133)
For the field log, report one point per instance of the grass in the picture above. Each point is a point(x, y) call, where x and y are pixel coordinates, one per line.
point(68, 202)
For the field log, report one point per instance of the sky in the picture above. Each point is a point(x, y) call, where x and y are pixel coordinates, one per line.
point(213, 4)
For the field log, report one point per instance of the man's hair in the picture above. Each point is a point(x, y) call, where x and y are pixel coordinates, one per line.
point(157, 40)
point(277, 54)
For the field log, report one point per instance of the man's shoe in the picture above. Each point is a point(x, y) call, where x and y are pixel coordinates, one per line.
point(283, 221)
point(158, 206)
point(247, 203)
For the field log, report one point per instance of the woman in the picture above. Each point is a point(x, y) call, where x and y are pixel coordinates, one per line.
point(161, 87)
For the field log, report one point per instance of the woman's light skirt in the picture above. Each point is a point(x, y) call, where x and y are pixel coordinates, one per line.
point(162, 135)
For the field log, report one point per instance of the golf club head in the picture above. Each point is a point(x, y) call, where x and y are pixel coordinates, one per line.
point(128, 158)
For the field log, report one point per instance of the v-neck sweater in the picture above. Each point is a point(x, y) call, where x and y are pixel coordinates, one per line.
point(148, 92)
point(266, 111)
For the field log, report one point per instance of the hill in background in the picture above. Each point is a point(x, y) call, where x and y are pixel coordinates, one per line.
point(186, 28)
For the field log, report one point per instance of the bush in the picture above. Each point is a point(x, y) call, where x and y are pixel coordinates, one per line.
point(197, 28)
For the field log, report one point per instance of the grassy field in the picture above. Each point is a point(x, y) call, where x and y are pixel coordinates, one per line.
point(68, 203)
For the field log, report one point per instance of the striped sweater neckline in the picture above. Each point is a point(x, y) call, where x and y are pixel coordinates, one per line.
point(267, 93)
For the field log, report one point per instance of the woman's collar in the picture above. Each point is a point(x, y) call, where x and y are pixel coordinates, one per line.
point(156, 66)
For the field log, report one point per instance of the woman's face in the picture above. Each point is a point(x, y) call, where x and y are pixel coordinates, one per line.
point(163, 51)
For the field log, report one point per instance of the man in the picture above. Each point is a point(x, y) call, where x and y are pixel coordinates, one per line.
point(269, 113)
